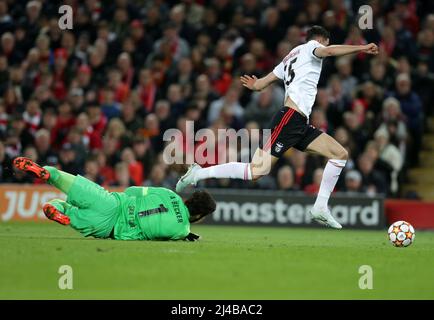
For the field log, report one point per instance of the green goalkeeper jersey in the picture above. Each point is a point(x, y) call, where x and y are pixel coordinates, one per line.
point(150, 213)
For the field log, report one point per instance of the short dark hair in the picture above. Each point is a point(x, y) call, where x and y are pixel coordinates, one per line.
point(317, 31)
point(199, 205)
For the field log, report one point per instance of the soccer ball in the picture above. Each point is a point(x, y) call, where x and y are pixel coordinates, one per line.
point(401, 234)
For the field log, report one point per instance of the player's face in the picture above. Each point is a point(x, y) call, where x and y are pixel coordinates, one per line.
point(324, 41)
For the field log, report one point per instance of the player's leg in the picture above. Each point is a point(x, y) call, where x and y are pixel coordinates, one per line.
point(81, 192)
point(59, 179)
point(263, 159)
point(64, 213)
point(232, 170)
point(90, 209)
point(328, 147)
point(94, 208)
point(260, 165)
point(58, 210)
point(86, 221)
point(97, 209)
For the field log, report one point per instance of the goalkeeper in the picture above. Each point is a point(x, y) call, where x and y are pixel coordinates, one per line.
point(138, 213)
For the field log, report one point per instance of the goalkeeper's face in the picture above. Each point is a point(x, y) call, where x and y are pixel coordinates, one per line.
point(199, 205)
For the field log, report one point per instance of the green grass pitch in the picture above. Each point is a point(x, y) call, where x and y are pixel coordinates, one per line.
point(229, 263)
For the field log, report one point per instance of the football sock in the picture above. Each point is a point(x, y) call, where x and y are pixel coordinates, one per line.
point(329, 178)
point(60, 179)
point(233, 170)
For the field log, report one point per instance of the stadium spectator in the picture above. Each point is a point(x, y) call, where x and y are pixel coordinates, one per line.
point(135, 167)
point(330, 22)
point(19, 135)
point(343, 137)
point(109, 88)
point(7, 42)
point(390, 154)
point(144, 154)
point(377, 74)
point(5, 174)
point(203, 90)
point(264, 61)
point(177, 47)
point(92, 170)
point(140, 43)
point(298, 161)
point(68, 160)
point(4, 119)
point(392, 121)
point(220, 79)
point(106, 171)
point(6, 21)
point(157, 177)
point(313, 188)
point(46, 154)
point(285, 179)
point(373, 181)
point(230, 101)
point(130, 119)
point(411, 106)
point(294, 37)
point(353, 182)
point(270, 28)
point(122, 177)
point(263, 105)
point(348, 81)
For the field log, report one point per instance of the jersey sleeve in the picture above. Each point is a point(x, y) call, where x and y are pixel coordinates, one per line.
point(279, 70)
point(312, 46)
point(136, 191)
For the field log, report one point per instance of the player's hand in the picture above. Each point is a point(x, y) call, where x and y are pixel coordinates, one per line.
point(192, 237)
point(371, 48)
point(248, 81)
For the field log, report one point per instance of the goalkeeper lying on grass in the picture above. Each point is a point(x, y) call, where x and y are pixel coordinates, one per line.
point(138, 213)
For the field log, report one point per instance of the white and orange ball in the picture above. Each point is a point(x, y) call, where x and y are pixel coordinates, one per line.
point(401, 234)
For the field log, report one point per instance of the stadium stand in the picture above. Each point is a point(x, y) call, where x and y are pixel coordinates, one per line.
point(97, 99)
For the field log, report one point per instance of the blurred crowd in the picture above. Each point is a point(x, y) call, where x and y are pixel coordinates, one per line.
point(97, 99)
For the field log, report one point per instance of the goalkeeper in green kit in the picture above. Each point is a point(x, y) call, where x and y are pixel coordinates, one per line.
point(138, 213)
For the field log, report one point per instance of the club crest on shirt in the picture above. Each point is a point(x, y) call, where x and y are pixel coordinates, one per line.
point(278, 147)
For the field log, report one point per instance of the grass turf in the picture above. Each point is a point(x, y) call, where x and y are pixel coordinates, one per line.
point(229, 263)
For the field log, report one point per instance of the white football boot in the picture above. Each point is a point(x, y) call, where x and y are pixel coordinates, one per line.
point(325, 217)
point(187, 178)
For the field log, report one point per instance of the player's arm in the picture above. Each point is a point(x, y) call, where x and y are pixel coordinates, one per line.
point(341, 50)
point(136, 191)
point(256, 84)
point(192, 237)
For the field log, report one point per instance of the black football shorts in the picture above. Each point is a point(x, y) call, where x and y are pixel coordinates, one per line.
point(289, 128)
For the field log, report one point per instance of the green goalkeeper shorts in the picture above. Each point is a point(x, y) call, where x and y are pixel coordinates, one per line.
point(93, 210)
